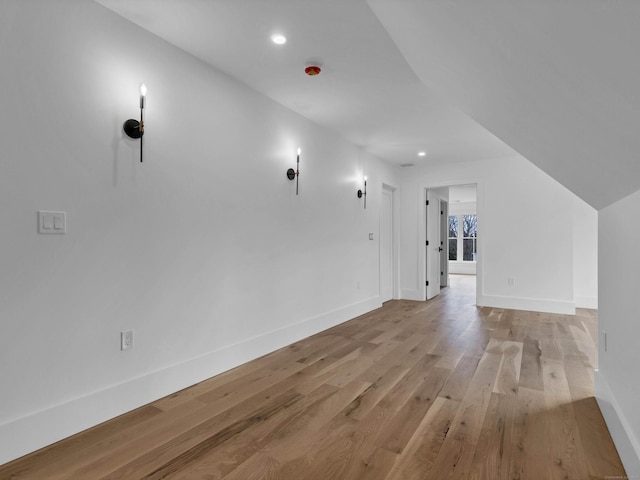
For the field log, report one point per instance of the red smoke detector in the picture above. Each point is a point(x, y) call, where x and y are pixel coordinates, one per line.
point(312, 70)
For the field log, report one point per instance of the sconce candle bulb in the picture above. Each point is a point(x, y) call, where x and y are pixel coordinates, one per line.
point(143, 94)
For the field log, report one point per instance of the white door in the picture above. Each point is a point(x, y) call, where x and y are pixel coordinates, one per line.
point(386, 246)
point(433, 245)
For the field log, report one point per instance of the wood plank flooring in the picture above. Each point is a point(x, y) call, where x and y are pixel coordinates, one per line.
point(414, 390)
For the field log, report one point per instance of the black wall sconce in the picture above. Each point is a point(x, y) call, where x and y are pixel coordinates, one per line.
point(134, 128)
point(291, 173)
point(361, 193)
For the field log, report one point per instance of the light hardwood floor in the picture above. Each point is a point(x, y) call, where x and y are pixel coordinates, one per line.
point(414, 390)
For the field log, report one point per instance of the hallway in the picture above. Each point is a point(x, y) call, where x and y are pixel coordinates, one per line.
point(413, 390)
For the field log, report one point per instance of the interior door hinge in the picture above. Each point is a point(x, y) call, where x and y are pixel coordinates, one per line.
point(427, 243)
point(427, 283)
point(427, 202)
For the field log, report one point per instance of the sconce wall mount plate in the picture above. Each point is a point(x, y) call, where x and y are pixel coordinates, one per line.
point(132, 128)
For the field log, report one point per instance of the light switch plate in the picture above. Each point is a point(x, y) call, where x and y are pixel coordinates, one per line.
point(52, 222)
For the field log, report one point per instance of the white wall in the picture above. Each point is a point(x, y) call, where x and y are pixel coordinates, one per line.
point(617, 381)
point(525, 224)
point(204, 250)
point(585, 254)
point(462, 208)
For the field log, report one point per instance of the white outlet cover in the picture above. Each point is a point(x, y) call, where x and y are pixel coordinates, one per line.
point(126, 340)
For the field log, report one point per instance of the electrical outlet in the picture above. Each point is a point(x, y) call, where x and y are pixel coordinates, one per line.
point(126, 340)
point(511, 281)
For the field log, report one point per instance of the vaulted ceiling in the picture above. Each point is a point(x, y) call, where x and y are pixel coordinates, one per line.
point(556, 82)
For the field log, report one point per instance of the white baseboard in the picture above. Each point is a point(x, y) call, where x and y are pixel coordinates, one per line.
point(587, 302)
point(39, 429)
point(532, 304)
point(627, 445)
point(514, 303)
point(412, 294)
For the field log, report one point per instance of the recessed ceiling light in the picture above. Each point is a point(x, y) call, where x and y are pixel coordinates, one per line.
point(422, 154)
point(278, 39)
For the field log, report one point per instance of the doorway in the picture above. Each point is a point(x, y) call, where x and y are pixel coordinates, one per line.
point(451, 238)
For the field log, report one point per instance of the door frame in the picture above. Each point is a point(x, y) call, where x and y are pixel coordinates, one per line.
point(436, 285)
point(395, 241)
point(422, 233)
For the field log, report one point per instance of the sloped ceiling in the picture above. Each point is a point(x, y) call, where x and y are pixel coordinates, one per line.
point(559, 81)
point(555, 81)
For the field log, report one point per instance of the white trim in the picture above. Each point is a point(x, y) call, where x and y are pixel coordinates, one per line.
point(627, 445)
point(587, 302)
point(39, 429)
point(412, 294)
point(531, 304)
point(422, 228)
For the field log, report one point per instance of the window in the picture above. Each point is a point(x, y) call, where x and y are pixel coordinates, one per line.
point(469, 238)
point(453, 237)
point(463, 244)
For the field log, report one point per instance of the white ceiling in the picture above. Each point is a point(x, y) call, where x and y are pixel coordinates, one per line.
point(558, 81)
point(366, 92)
